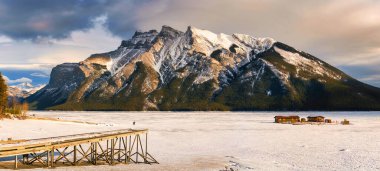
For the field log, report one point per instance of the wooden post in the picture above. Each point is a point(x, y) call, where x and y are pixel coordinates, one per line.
point(130, 149)
point(107, 150)
point(125, 150)
point(92, 153)
point(112, 150)
point(24, 158)
point(146, 144)
point(137, 148)
point(52, 157)
point(119, 154)
point(95, 152)
point(47, 158)
point(75, 155)
point(15, 161)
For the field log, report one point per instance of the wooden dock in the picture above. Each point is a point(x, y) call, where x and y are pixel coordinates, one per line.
point(111, 147)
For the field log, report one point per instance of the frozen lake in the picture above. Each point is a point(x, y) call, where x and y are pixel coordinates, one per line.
point(215, 140)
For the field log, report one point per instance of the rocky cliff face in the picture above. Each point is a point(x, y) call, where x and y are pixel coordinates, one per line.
point(201, 70)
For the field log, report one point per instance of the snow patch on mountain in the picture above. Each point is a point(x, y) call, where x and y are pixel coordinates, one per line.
point(234, 50)
point(129, 50)
point(258, 44)
point(284, 77)
point(123, 56)
point(214, 40)
point(304, 63)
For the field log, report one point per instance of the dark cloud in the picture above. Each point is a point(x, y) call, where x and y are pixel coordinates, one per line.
point(24, 19)
point(123, 18)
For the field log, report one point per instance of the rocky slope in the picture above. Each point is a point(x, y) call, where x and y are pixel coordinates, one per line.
point(201, 70)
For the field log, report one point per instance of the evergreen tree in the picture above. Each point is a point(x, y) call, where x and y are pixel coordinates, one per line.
point(3, 94)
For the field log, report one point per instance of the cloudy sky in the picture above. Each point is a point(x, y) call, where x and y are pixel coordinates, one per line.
point(35, 35)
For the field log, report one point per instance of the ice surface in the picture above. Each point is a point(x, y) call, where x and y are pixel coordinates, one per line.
point(216, 140)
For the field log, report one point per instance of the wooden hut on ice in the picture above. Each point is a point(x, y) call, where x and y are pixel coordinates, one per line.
point(316, 119)
point(286, 119)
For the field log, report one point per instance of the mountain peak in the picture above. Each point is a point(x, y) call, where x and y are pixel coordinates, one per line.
point(208, 41)
point(25, 85)
point(23, 90)
point(139, 33)
point(167, 31)
point(140, 39)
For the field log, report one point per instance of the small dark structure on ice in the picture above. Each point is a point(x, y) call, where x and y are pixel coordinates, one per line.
point(316, 119)
point(286, 119)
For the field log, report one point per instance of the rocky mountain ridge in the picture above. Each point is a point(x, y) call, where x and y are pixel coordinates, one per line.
point(201, 70)
point(23, 90)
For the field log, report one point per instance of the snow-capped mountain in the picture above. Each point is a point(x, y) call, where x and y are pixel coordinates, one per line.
point(23, 90)
point(201, 70)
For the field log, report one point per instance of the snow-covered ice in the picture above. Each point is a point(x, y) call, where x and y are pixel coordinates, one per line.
point(220, 140)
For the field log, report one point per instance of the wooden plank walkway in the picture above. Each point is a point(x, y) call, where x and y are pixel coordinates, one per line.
point(111, 147)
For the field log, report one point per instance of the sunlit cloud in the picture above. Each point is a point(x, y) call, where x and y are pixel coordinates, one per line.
point(45, 68)
point(5, 39)
point(19, 80)
point(36, 74)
